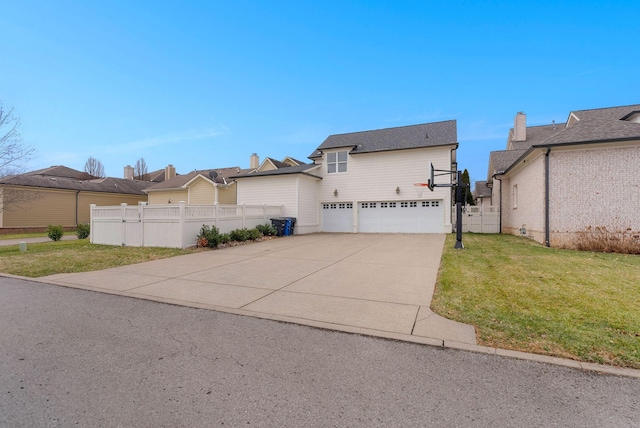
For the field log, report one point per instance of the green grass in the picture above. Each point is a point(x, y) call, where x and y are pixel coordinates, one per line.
point(49, 258)
point(523, 296)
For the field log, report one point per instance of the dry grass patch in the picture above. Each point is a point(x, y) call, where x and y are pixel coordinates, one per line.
point(524, 296)
point(76, 256)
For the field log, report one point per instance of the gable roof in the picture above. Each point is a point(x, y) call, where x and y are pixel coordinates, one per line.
point(64, 178)
point(503, 159)
point(221, 176)
point(298, 169)
point(594, 130)
point(399, 138)
point(535, 135)
point(609, 113)
point(481, 190)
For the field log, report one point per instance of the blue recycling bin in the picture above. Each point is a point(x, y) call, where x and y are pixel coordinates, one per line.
point(289, 223)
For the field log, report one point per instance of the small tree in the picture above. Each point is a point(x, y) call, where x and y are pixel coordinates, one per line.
point(140, 170)
point(467, 181)
point(94, 167)
point(13, 152)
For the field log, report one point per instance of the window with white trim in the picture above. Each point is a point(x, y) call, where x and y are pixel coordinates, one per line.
point(337, 162)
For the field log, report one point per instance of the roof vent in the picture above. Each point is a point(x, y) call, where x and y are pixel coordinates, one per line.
point(426, 135)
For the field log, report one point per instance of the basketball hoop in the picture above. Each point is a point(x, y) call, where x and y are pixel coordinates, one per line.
point(420, 188)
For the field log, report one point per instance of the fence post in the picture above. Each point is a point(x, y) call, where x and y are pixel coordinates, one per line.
point(182, 214)
point(216, 214)
point(141, 206)
point(123, 225)
point(264, 213)
point(91, 208)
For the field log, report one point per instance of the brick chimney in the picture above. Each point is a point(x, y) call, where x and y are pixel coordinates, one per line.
point(254, 161)
point(520, 127)
point(128, 172)
point(169, 172)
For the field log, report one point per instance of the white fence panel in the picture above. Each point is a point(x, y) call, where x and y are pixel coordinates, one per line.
point(481, 220)
point(172, 226)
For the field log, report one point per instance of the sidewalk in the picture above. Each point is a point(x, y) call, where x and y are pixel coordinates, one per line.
point(9, 242)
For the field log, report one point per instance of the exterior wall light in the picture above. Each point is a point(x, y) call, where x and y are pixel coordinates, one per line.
point(397, 190)
point(335, 193)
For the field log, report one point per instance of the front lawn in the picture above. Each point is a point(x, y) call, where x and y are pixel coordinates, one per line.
point(523, 296)
point(49, 258)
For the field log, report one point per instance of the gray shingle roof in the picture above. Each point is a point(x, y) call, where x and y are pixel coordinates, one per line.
point(298, 169)
point(223, 175)
point(536, 135)
point(481, 190)
point(64, 178)
point(503, 159)
point(591, 130)
point(399, 138)
point(610, 113)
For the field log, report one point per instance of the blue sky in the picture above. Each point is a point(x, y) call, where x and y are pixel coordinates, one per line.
point(203, 84)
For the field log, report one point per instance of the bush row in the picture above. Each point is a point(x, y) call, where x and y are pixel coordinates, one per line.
point(211, 237)
point(55, 232)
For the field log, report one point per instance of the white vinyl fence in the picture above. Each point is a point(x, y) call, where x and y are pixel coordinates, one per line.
point(172, 226)
point(478, 219)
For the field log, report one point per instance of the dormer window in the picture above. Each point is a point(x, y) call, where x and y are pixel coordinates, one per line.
point(337, 162)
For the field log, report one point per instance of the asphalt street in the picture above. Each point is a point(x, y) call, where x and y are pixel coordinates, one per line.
point(72, 357)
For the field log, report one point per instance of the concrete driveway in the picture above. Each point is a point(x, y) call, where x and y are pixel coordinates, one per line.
point(377, 284)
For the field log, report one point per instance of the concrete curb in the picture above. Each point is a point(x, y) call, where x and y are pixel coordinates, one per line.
point(445, 344)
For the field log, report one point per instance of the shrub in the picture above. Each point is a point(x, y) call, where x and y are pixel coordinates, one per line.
point(225, 238)
point(83, 230)
point(245, 234)
point(267, 229)
point(240, 235)
point(600, 239)
point(209, 234)
point(55, 232)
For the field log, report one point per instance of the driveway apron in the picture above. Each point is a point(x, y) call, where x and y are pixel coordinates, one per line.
point(376, 284)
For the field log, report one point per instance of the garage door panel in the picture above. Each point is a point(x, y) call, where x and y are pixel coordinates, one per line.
point(401, 217)
point(337, 217)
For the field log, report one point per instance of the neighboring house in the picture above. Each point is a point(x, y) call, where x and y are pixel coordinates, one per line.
point(364, 182)
point(60, 195)
point(201, 187)
point(482, 194)
point(560, 180)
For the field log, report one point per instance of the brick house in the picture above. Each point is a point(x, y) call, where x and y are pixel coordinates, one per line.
point(558, 180)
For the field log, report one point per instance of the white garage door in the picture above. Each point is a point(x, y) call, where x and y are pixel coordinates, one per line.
point(401, 217)
point(337, 217)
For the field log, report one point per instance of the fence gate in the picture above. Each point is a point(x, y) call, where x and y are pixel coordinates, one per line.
point(479, 220)
point(132, 226)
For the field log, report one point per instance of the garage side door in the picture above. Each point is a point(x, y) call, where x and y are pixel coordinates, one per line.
point(401, 217)
point(337, 217)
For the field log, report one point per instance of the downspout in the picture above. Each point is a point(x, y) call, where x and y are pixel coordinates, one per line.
point(546, 198)
point(77, 202)
point(495, 177)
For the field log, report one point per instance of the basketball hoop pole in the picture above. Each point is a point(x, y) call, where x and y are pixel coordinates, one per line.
point(459, 198)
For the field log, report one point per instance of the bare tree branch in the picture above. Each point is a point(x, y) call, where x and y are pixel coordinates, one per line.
point(140, 170)
point(94, 167)
point(13, 153)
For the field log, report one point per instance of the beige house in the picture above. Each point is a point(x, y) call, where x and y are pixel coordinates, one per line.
point(60, 195)
point(201, 187)
point(558, 180)
point(364, 182)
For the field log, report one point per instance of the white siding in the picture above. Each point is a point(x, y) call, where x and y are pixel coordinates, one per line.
point(276, 190)
point(308, 221)
point(375, 177)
